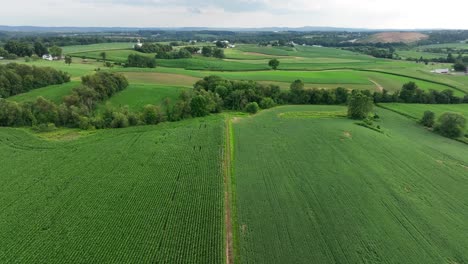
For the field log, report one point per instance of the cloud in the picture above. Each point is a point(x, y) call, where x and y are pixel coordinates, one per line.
point(237, 13)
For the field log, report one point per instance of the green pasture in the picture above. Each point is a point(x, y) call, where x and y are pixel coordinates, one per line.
point(136, 96)
point(55, 93)
point(97, 47)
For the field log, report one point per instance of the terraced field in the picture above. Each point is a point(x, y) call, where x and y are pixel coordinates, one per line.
point(138, 195)
point(316, 188)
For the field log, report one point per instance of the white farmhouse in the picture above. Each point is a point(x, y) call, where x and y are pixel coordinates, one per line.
point(138, 44)
point(47, 57)
point(441, 71)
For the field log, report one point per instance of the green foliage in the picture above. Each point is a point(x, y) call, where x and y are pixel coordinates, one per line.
point(459, 66)
point(428, 119)
point(252, 108)
point(154, 48)
point(359, 105)
point(55, 51)
point(20, 78)
point(17, 48)
point(274, 63)
point(68, 60)
point(451, 125)
point(267, 102)
point(135, 60)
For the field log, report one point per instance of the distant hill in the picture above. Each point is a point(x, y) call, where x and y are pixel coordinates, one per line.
point(391, 37)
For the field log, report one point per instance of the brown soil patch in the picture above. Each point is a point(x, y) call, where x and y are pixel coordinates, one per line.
point(440, 162)
point(347, 134)
point(390, 37)
point(379, 87)
point(161, 78)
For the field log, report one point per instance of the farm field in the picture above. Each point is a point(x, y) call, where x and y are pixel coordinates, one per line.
point(136, 96)
point(150, 194)
point(326, 78)
point(55, 93)
point(417, 110)
point(315, 188)
point(97, 47)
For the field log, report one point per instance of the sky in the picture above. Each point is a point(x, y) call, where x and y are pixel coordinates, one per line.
point(374, 14)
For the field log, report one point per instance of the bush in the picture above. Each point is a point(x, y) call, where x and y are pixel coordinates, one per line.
point(428, 119)
point(266, 103)
point(451, 125)
point(252, 108)
point(119, 120)
point(46, 127)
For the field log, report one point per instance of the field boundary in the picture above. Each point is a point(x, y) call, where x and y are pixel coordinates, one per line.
point(462, 140)
point(228, 195)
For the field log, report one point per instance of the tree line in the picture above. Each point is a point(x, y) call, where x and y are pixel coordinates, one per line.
point(77, 109)
point(14, 48)
point(20, 78)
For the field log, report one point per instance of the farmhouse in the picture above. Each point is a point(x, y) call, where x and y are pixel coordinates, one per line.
point(138, 44)
point(47, 57)
point(441, 71)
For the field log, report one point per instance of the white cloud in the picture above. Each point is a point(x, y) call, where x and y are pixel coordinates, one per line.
point(237, 13)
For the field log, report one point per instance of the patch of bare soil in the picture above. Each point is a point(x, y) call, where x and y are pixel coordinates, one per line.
point(390, 37)
point(347, 134)
point(379, 87)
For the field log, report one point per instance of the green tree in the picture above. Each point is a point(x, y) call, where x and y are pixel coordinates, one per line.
point(40, 49)
point(274, 63)
point(459, 66)
point(408, 91)
point(68, 60)
point(103, 55)
point(207, 51)
point(359, 105)
point(218, 53)
point(267, 102)
point(252, 108)
point(451, 125)
point(428, 119)
point(199, 106)
point(55, 51)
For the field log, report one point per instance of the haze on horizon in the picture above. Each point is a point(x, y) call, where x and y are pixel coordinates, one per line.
point(372, 14)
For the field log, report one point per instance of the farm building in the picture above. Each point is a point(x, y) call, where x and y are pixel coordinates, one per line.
point(138, 44)
point(47, 57)
point(441, 71)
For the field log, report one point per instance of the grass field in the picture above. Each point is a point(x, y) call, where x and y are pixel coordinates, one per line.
point(54, 93)
point(136, 96)
point(417, 110)
point(324, 190)
point(120, 55)
point(137, 195)
point(97, 47)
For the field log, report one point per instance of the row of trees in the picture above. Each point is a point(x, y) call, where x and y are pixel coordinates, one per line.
point(411, 93)
point(140, 61)
point(19, 78)
point(77, 109)
point(26, 49)
point(153, 48)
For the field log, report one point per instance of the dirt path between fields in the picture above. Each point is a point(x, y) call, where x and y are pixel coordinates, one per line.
point(227, 195)
point(379, 87)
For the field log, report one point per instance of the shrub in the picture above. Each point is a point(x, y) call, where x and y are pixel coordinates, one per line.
point(45, 127)
point(428, 119)
point(119, 120)
point(252, 108)
point(451, 125)
point(266, 103)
